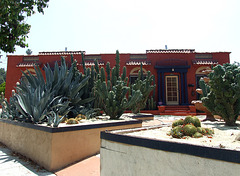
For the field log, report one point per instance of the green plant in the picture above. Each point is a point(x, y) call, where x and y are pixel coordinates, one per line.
point(38, 100)
point(205, 88)
point(189, 130)
point(14, 28)
point(63, 82)
point(151, 104)
point(186, 127)
point(112, 93)
point(9, 110)
point(224, 98)
point(177, 132)
point(177, 123)
point(146, 86)
point(72, 121)
point(198, 135)
point(201, 130)
point(192, 119)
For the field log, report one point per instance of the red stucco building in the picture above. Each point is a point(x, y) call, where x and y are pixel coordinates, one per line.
point(176, 71)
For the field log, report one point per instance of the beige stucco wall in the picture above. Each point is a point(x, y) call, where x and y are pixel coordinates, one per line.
point(34, 144)
point(77, 145)
point(129, 160)
point(54, 150)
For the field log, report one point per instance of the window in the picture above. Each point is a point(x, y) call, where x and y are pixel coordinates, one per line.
point(203, 56)
point(30, 58)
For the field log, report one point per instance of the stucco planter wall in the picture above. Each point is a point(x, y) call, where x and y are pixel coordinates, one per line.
point(128, 155)
point(140, 116)
point(55, 148)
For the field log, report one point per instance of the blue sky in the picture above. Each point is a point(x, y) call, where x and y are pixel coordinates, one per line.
point(134, 26)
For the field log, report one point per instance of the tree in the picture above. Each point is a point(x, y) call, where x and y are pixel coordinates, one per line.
point(29, 52)
point(224, 98)
point(13, 26)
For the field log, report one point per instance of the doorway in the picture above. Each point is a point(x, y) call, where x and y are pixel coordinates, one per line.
point(172, 93)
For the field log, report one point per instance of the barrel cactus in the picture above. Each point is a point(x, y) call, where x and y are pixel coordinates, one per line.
point(192, 119)
point(177, 123)
point(190, 126)
point(72, 121)
point(189, 130)
point(198, 135)
point(177, 132)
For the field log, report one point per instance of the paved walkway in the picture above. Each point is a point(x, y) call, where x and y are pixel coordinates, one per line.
point(12, 164)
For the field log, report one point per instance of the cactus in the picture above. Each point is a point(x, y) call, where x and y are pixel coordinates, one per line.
point(201, 130)
point(224, 98)
point(146, 86)
point(72, 121)
point(112, 93)
point(177, 123)
point(177, 132)
point(192, 120)
point(209, 131)
point(205, 88)
point(197, 135)
point(151, 104)
point(190, 126)
point(189, 130)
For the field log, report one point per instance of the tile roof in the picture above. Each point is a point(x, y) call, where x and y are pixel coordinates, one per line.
point(92, 63)
point(28, 64)
point(138, 62)
point(61, 52)
point(205, 62)
point(171, 51)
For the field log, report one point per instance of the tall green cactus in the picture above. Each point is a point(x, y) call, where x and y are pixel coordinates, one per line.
point(205, 88)
point(146, 86)
point(224, 98)
point(112, 93)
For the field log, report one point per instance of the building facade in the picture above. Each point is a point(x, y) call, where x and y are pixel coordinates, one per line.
point(176, 71)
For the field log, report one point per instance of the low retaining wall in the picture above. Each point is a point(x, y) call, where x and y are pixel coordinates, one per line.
point(128, 155)
point(55, 148)
point(141, 116)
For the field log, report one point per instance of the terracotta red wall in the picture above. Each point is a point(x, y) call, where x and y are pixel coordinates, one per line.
point(14, 73)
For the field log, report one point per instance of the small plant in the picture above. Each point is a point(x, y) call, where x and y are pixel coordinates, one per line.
point(177, 123)
point(190, 126)
point(192, 120)
point(72, 121)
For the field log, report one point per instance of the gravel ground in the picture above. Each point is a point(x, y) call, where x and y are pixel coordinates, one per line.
point(223, 137)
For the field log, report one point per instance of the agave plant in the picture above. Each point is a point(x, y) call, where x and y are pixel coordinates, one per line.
point(61, 82)
point(50, 100)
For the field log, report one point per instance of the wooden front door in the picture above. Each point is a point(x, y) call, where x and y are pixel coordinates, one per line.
point(172, 93)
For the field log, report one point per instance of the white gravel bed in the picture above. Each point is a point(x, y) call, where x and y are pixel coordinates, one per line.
point(223, 137)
